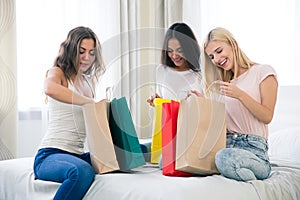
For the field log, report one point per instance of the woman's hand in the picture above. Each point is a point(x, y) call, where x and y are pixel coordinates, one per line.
point(151, 99)
point(230, 90)
point(197, 93)
point(263, 110)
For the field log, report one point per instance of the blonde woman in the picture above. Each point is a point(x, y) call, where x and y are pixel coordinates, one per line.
point(250, 91)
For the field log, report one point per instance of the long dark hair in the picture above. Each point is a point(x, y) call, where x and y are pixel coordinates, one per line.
point(68, 55)
point(189, 44)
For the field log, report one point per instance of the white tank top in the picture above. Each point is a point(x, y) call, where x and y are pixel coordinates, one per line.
point(66, 128)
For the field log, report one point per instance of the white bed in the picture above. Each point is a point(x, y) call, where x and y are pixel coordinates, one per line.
point(147, 182)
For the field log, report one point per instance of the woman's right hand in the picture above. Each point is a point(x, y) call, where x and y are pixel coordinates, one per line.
point(151, 99)
point(197, 93)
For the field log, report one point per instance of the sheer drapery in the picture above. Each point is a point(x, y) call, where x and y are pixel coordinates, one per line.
point(172, 12)
point(128, 48)
point(8, 81)
point(140, 41)
point(155, 16)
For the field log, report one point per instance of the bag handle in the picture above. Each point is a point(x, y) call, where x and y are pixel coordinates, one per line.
point(109, 92)
point(214, 93)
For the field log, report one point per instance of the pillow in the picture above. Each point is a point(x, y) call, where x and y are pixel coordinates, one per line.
point(284, 144)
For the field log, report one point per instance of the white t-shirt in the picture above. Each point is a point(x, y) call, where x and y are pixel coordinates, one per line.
point(172, 84)
point(238, 117)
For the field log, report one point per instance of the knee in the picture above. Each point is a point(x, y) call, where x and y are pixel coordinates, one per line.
point(225, 161)
point(82, 174)
point(87, 173)
point(221, 158)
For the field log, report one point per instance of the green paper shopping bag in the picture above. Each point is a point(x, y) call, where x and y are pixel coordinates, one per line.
point(127, 147)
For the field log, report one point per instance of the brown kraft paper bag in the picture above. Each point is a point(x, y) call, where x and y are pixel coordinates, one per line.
point(201, 133)
point(100, 144)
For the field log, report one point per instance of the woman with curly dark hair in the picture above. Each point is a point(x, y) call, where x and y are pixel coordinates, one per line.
point(69, 84)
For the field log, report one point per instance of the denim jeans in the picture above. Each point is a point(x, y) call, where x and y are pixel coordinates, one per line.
point(74, 172)
point(245, 158)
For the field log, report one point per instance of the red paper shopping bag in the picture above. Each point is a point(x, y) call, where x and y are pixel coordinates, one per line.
point(169, 128)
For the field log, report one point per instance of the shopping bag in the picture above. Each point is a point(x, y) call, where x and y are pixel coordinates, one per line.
point(99, 138)
point(169, 119)
point(201, 133)
point(156, 133)
point(128, 149)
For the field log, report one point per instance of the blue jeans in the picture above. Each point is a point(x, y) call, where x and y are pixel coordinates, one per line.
point(74, 172)
point(245, 158)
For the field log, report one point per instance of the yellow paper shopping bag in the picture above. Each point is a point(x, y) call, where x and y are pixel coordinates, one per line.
point(156, 132)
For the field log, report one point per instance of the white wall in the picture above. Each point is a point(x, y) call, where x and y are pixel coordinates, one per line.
point(287, 109)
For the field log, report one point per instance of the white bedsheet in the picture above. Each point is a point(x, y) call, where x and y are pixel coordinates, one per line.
point(147, 183)
point(283, 182)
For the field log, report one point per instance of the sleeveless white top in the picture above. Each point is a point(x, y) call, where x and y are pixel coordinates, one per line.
point(66, 128)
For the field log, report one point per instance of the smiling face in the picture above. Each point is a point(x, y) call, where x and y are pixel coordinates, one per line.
point(175, 52)
point(86, 54)
point(221, 54)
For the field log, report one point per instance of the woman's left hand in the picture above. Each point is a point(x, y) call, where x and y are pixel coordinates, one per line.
point(230, 90)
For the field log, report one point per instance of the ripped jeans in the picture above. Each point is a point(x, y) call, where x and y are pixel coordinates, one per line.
point(245, 158)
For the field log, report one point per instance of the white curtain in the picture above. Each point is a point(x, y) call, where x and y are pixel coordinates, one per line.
point(172, 12)
point(128, 49)
point(8, 89)
point(140, 36)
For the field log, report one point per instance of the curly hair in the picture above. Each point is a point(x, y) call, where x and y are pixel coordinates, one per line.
point(68, 56)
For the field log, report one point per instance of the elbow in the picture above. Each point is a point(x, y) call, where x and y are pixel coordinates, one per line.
point(48, 90)
point(267, 119)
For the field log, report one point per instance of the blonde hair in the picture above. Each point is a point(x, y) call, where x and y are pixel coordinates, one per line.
point(212, 72)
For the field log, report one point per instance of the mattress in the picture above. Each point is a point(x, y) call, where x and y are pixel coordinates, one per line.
point(147, 183)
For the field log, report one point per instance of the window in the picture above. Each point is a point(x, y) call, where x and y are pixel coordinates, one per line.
point(265, 30)
point(42, 25)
